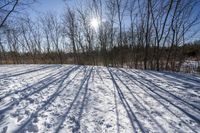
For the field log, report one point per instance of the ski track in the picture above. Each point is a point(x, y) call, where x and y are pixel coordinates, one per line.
point(87, 99)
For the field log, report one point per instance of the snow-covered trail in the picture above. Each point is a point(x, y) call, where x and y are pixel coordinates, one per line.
point(70, 98)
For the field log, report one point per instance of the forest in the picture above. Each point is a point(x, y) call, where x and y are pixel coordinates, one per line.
point(144, 34)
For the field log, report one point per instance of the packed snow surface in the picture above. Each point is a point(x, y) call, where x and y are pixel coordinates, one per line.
point(86, 99)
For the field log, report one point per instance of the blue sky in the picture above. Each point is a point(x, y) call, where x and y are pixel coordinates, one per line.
point(58, 6)
point(42, 6)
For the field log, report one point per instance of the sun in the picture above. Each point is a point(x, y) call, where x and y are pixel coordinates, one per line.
point(94, 23)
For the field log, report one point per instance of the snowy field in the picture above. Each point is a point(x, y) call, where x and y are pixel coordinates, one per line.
point(67, 98)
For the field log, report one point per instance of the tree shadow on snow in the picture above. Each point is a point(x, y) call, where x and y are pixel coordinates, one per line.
point(187, 81)
point(159, 93)
point(47, 103)
point(26, 71)
point(140, 104)
point(132, 117)
point(46, 82)
point(78, 104)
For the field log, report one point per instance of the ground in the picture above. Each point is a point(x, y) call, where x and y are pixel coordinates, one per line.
point(86, 99)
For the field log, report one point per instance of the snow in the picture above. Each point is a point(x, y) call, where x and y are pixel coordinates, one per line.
point(191, 63)
point(86, 99)
point(190, 66)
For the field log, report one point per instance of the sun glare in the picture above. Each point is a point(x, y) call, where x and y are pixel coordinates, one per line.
point(94, 23)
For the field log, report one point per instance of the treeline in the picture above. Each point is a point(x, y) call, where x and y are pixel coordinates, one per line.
point(145, 34)
point(190, 51)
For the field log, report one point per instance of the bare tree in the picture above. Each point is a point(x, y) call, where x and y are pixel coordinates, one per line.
point(71, 31)
point(88, 34)
point(121, 8)
point(7, 7)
